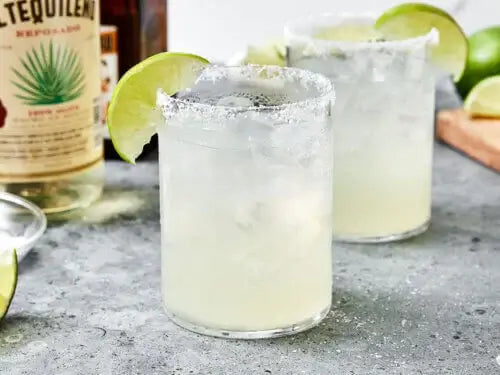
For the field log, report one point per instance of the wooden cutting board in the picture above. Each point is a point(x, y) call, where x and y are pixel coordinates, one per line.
point(478, 138)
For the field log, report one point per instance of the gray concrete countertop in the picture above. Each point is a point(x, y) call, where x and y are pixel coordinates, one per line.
point(88, 300)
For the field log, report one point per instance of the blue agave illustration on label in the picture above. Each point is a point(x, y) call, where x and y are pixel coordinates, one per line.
point(49, 74)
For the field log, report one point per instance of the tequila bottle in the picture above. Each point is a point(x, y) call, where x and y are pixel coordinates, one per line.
point(51, 149)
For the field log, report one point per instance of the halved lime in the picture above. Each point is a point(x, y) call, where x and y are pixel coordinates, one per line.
point(132, 118)
point(272, 53)
point(8, 280)
point(484, 99)
point(411, 20)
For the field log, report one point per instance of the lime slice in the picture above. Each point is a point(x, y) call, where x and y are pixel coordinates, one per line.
point(8, 280)
point(272, 53)
point(411, 20)
point(484, 99)
point(132, 115)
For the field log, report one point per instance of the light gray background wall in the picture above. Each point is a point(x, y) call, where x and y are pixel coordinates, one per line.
point(217, 29)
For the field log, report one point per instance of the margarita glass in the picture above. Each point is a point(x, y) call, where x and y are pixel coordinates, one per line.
point(383, 123)
point(246, 201)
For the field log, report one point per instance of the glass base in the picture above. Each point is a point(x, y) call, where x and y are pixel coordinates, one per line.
point(389, 238)
point(62, 195)
point(249, 335)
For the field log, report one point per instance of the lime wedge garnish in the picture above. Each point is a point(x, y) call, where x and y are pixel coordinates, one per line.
point(132, 118)
point(272, 53)
point(411, 20)
point(8, 280)
point(484, 98)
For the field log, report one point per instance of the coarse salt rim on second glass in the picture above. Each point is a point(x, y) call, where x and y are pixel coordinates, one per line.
point(301, 31)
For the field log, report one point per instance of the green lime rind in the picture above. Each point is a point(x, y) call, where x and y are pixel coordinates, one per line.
point(483, 60)
point(484, 98)
point(411, 20)
point(272, 53)
point(8, 283)
point(132, 116)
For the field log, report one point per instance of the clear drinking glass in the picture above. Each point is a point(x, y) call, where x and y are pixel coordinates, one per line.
point(383, 124)
point(246, 191)
point(22, 223)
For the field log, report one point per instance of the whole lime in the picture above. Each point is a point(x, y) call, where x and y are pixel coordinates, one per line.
point(483, 60)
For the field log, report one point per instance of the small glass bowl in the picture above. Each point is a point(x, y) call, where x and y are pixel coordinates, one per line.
point(21, 224)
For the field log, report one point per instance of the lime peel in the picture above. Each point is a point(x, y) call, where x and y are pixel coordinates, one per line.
point(8, 280)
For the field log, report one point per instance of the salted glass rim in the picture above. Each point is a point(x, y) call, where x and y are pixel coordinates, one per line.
point(324, 86)
point(296, 29)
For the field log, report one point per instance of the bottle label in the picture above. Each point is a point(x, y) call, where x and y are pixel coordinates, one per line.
point(109, 70)
point(50, 103)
